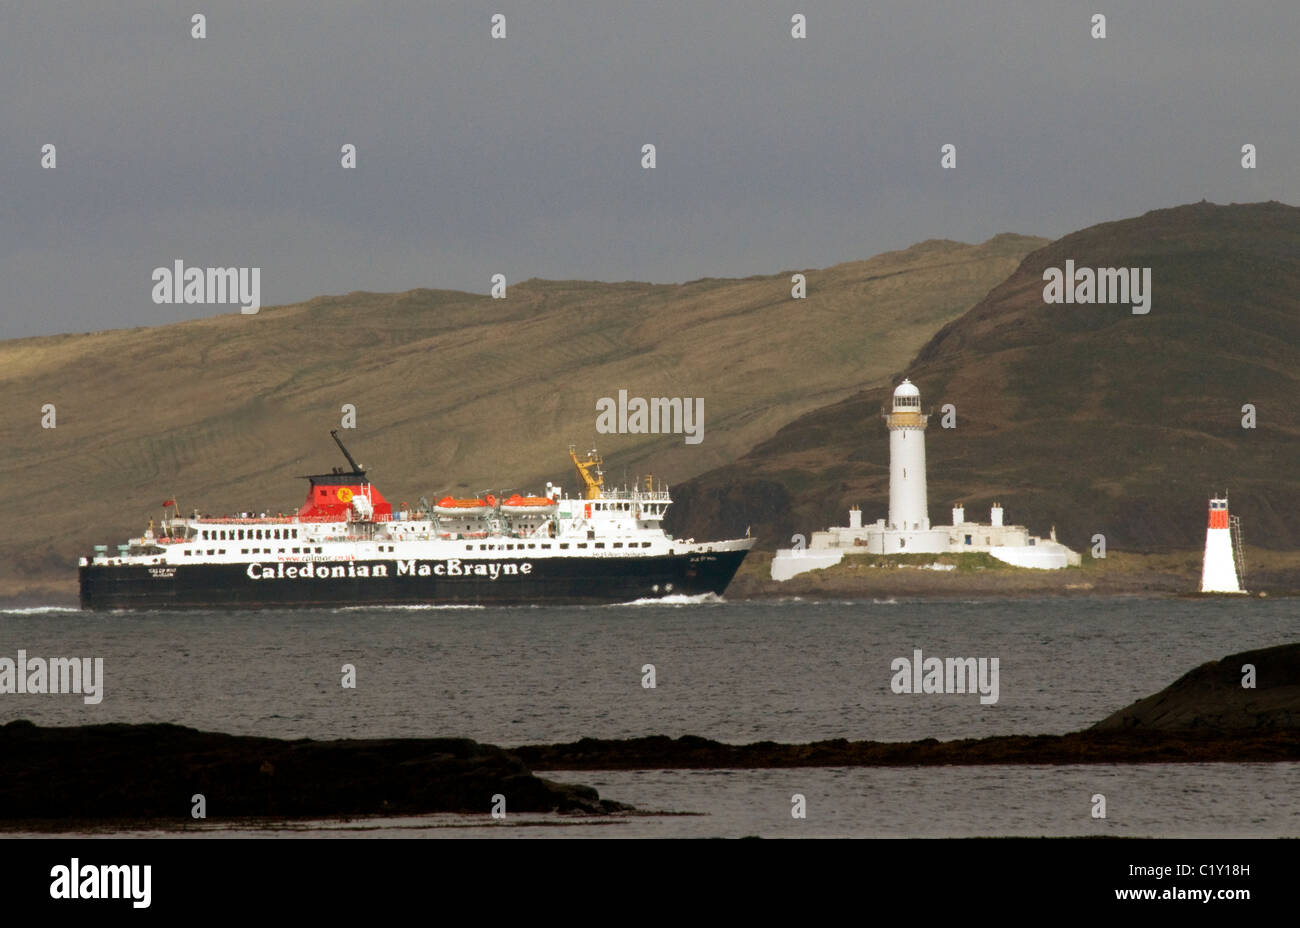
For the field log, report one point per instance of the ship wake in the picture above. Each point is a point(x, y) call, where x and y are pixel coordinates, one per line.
point(677, 599)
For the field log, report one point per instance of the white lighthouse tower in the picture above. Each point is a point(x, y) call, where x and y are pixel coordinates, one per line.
point(1219, 571)
point(908, 505)
point(908, 529)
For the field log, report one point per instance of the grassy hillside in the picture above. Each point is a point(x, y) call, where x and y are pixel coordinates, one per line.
point(1086, 417)
point(454, 391)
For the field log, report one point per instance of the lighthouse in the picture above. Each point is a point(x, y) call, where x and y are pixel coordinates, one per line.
point(1219, 571)
point(908, 529)
point(908, 506)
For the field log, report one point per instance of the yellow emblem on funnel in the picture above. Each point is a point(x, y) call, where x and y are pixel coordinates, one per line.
point(344, 494)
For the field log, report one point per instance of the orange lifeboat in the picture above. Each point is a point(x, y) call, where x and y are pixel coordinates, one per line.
point(517, 505)
point(463, 508)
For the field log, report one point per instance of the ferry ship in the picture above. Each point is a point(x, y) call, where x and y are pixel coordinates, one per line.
point(347, 546)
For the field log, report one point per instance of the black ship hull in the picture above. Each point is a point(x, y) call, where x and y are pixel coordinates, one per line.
point(402, 582)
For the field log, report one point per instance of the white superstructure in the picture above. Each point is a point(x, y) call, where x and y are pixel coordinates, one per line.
point(346, 519)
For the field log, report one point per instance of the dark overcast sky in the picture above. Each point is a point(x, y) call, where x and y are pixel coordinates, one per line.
point(522, 156)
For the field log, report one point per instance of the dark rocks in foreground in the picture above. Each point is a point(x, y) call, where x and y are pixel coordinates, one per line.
point(1205, 716)
point(1212, 696)
point(150, 772)
point(1085, 747)
point(98, 772)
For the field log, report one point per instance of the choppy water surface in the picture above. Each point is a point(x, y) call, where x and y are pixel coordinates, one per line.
point(738, 672)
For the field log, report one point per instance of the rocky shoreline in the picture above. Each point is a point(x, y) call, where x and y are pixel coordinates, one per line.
point(152, 772)
point(1206, 716)
point(1088, 747)
point(97, 772)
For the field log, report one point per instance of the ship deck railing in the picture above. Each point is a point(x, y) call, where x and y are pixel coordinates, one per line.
point(282, 520)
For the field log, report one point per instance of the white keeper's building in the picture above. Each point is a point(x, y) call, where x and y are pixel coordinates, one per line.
point(908, 529)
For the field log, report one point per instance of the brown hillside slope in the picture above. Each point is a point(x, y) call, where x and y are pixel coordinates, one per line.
point(454, 391)
point(1084, 416)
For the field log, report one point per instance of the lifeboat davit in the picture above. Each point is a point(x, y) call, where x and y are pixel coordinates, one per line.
point(527, 505)
point(464, 508)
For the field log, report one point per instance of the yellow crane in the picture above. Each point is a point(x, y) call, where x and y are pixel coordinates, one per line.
point(593, 478)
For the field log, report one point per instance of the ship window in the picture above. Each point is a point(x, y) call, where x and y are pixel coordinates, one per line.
point(241, 534)
point(546, 547)
point(188, 553)
point(564, 546)
point(222, 551)
point(617, 544)
point(295, 533)
point(278, 550)
point(482, 547)
point(531, 546)
point(318, 550)
point(645, 544)
point(582, 544)
point(600, 544)
point(469, 547)
point(241, 551)
point(967, 539)
point(210, 551)
point(295, 550)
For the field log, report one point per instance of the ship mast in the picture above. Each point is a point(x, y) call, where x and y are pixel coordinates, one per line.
point(589, 471)
point(356, 469)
